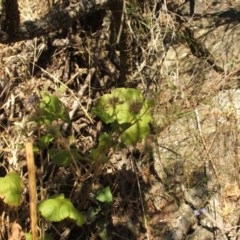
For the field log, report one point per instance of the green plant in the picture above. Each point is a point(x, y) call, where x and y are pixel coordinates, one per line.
point(48, 112)
point(104, 195)
point(58, 208)
point(11, 189)
point(50, 109)
point(128, 115)
point(128, 112)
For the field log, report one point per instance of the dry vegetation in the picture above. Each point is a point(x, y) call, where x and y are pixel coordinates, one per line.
point(129, 44)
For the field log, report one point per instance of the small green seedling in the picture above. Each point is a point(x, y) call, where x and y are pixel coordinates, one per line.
point(45, 140)
point(50, 109)
point(105, 195)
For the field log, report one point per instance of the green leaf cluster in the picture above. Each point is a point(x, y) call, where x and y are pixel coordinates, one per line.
point(127, 111)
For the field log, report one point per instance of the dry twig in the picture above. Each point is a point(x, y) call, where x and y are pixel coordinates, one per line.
point(32, 189)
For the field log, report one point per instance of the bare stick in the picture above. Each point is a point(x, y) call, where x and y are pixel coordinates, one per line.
point(32, 189)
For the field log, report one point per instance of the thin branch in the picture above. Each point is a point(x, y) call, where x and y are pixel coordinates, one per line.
point(32, 189)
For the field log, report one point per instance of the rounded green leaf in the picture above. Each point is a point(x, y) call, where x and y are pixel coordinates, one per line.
point(128, 111)
point(139, 129)
point(11, 187)
point(122, 105)
point(105, 195)
point(45, 140)
point(135, 133)
point(58, 208)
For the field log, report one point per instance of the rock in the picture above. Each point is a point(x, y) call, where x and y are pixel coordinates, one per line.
point(201, 151)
